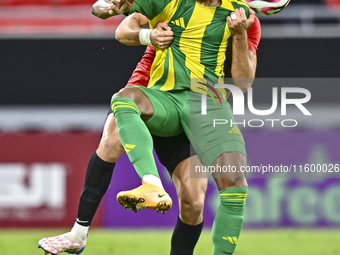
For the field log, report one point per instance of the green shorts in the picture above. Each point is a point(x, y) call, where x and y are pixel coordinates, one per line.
point(178, 111)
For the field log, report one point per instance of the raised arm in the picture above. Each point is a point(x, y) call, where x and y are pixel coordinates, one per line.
point(243, 65)
point(130, 32)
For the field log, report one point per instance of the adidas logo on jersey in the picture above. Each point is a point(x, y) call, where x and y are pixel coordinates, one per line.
point(179, 22)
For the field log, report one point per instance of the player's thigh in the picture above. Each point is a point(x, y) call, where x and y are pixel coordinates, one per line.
point(165, 120)
point(209, 139)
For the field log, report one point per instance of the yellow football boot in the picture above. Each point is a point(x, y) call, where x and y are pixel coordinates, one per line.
point(146, 196)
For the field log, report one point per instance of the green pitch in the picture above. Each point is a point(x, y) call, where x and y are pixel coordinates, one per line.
point(157, 242)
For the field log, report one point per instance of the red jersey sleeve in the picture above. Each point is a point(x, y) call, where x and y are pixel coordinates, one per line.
point(254, 35)
point(141, 75)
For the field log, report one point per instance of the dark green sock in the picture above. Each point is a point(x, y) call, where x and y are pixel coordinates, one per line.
point(134, 135)
point(228, 220)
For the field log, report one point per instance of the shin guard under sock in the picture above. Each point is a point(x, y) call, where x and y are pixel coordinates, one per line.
point(228, 220)
point(97, 180)
point(134, 135)
point(184, 238)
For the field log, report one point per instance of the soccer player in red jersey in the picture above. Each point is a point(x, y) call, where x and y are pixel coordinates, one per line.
point(99, 172)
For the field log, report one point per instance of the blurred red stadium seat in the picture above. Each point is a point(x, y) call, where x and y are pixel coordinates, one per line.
point(26, 2)
point(53, 17)
point(45, 2)
point(332, 2)
point(77, 2)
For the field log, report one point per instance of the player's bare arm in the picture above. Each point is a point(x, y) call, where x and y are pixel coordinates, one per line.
point(130, 32)
point(243, 60)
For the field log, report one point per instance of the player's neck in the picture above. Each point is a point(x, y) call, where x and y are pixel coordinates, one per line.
point(209, 3)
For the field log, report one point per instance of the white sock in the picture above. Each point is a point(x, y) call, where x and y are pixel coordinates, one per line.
point(80, 231)
point(153, 180)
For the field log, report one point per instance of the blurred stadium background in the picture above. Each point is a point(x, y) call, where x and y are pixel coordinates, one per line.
point(59, 67)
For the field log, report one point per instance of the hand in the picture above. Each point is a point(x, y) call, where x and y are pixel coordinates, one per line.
point(100, 9)
point(120, 6)
point(161, 36)
point(240, 24)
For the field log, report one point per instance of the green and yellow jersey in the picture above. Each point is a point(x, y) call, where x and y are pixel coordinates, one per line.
point(201, 38)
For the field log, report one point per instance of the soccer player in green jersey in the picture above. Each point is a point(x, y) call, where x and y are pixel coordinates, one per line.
point(171, 103)
point(238, 61)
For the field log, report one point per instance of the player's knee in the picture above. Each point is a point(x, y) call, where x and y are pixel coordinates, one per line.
point(129, 92)
point(226, 183)
point(238, 182)
point(139, 98)
point(110, 148)
point(192, 210)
